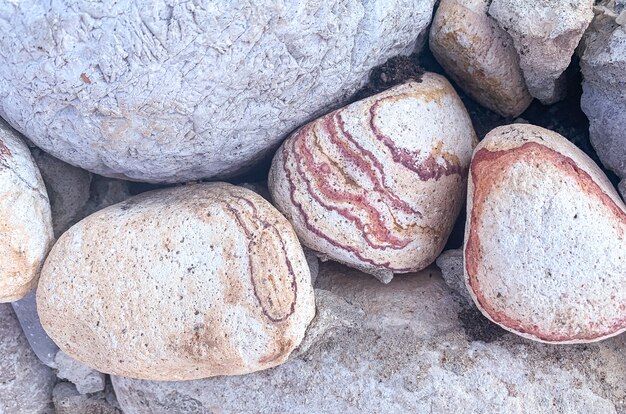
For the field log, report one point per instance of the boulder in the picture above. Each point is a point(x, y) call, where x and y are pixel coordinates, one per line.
point(182, 283)
point(479, 56)
point(187, 90)
point(25, 218)
point(378, 184)
point(545, 238)
point(84, 378)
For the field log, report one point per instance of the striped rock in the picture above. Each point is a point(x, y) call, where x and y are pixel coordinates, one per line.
point(25, 218)
point(177, 284)
point(545, 238)
point(378, 184)
point(479, 56)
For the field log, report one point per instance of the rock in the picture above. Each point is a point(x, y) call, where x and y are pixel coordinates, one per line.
point(378, 184)
point(479, 56)
point(182, 91)
point(25, 220)
point(409, 351)
point(181, 283)
point(313, 262)
point(603, 64)
point(40, 342)
point(84, 378)
point(25, 383)
point(545, 34)
point(67, 400)
point(622, 189)
point(545, 238)
point(104, 193)
point(67, 187)
point(451, 264)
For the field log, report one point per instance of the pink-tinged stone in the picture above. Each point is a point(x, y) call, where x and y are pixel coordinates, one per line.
point(378, 184)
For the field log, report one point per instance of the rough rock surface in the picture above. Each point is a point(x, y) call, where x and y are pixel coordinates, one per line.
point(545, 34)
point(25, 219)
point(412, 349)
point(603, 64)
point(379, 183)
point(479, 56)
point(85, 379)
point(186, 90)
point(451, 264)
point(545, 238)
point(25, 383)
point(187, 282)
point(67, 400)
point(622, 189)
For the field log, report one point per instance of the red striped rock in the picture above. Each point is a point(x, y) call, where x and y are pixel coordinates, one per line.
point(378, 184)
point(545, 252)
point(176, 284)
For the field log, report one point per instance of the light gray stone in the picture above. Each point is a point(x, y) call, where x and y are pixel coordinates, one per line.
point(86, 380)
point(176, 91)
point(451, 264)
point(25, 383)
point(67, 400)
point(413, 349)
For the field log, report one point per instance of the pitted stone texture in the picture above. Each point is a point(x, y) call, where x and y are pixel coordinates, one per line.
point(545, 34)
point(85, 379)
point(408, 351)
point(187, 282)
point(177, 91)
point(25, 218)
point(479, 56)
point(451, 264)
point(67, 400)
point(603, 64)
point(25, 383)
point(379, 183)
point(545, 238)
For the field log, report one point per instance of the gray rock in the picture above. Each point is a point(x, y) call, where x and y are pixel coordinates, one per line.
point(67, 400)
point(86, 380)
point(603, 64)
point(413, 349)
point(184, 90)
point(313, 262)
point(622, 189)
point(451, 264)
point(25, 383)
point(104, 193)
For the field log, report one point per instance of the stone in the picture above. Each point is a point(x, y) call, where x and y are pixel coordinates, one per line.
point(183, 91)
point(25, 218)
point(622, 189)
point(545, 34)
point(104, 193)
point(40, 342)
point(414, 348)
point(545, 238)
point(181, 283)
point(85, 379)
point(378, 184)
point(451, 264)
point(313, 262)
point(67, 400)
point(25, 383)
point(479, 56)
point(67, 187)
point(603, 64)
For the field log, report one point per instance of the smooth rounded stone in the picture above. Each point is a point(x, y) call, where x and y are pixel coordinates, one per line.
point(545, 34)
point(25, 218)
point(379, 183)
point(67, 400)
point(178, 91)
point(25, 383)
point(545, 238)
point(85, 379)
point(479, 56)
point(187, 282)
point(603, 64)
point(410, 350)
point(451, 264)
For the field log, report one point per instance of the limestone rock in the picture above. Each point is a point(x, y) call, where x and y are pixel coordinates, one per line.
point(410, 350)
point(25, 219)
point(179, 91)
point(545, 238)
point(603, 64)
point(545, 34)
point(379, 183)
point(67, 400)
point(187, 282)
point(451, 264)
point(25, 383)
point(85, 379)
point(479, 56)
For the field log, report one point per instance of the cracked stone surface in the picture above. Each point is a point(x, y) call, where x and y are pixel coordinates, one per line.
point(170, 93)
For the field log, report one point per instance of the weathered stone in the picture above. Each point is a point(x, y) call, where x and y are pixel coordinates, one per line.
point(545, 238)
point(412, 349)
point(451, 264)
point(545, 34)
point(25, 219)
point(85, 379)
point(67, 400)
point(622, 189)
point(603, 64)
point(187, 90)
point(479, 56)
point(25, 383)
point(379, 183)
point(187, 282)
point(104, 193)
